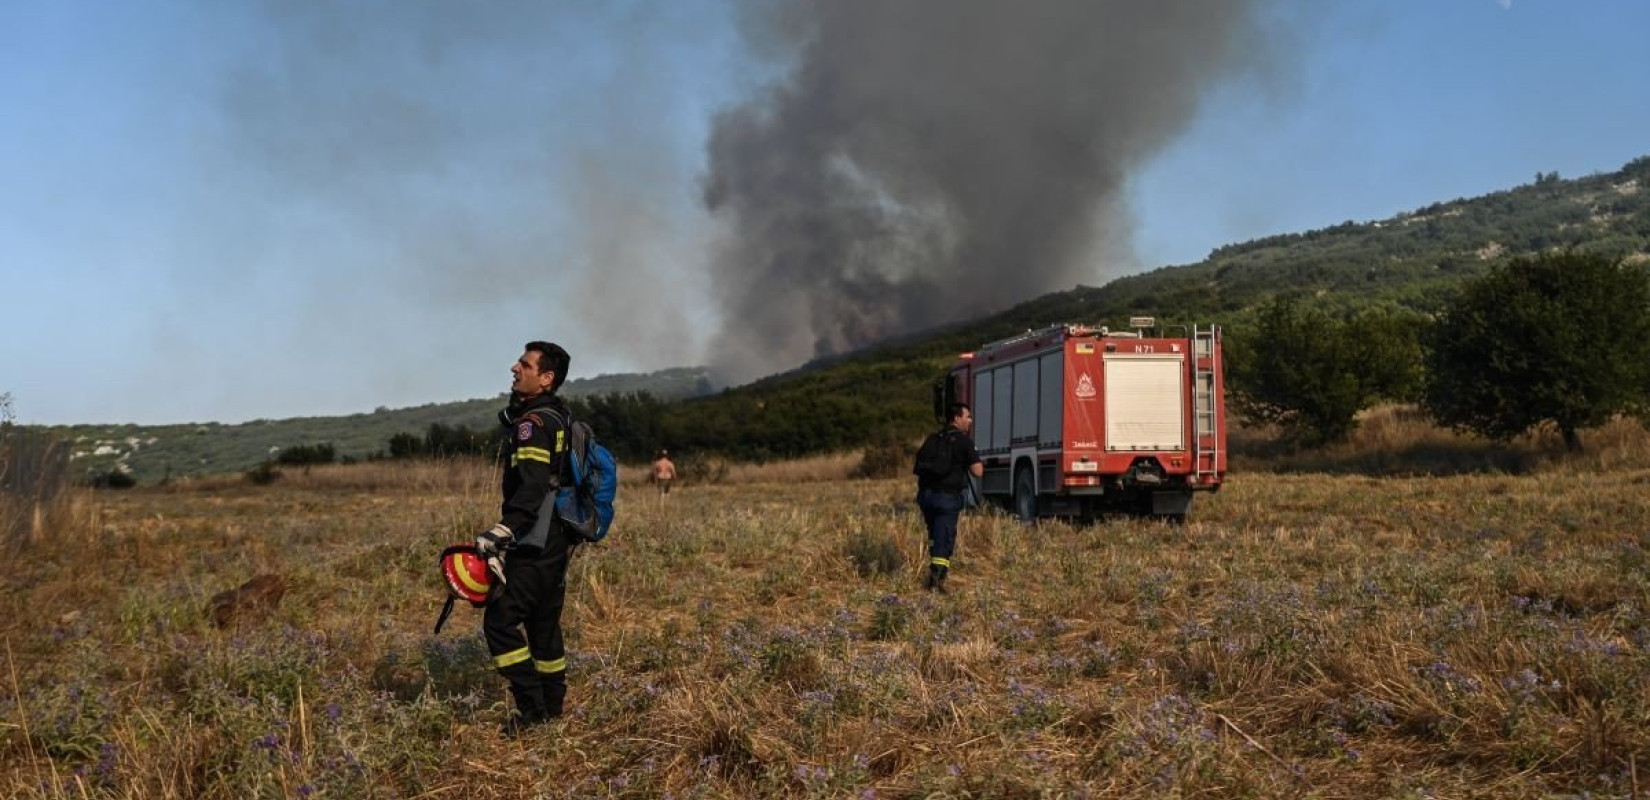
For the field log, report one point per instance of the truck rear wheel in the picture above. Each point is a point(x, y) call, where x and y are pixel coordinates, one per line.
point(1025, 495)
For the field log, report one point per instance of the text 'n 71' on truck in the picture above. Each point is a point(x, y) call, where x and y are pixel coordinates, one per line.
point(1073, 420)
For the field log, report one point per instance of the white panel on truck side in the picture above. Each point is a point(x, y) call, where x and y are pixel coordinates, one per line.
point(1145, 403)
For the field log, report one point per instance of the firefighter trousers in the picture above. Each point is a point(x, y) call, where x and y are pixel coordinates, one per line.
point(522, 624)
point(940, 510)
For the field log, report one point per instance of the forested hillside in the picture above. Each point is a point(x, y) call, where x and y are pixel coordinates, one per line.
point(1409, 261)
point(153, 452)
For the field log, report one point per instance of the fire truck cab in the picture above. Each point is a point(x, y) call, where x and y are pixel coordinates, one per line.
point(1076, 420)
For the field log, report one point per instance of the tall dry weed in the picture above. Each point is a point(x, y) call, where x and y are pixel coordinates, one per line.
point(37, 495)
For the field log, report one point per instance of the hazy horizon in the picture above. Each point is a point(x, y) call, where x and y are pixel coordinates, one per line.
point(223, 213)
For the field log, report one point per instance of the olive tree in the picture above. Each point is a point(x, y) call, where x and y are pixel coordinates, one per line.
point(1312, 372)
point(1561, 338)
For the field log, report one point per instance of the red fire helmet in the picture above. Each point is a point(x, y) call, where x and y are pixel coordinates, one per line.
point(466, 573)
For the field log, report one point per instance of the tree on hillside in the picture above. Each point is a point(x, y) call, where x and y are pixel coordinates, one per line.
point(630, 424)
point(1312, 372)
point(303, 455)
point(443, 441)
point(1560, 338)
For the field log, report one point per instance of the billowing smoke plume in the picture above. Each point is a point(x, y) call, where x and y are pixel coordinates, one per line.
point(478, 174)
point(924, 160)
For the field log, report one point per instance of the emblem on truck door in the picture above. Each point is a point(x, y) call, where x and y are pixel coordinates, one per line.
point(1085, 387)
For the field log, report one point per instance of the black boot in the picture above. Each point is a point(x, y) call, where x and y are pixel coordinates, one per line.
point(939, 579)
point(933, 577)
point(530, 706)
point(555, 691)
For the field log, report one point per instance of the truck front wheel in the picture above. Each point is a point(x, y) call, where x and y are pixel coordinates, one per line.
point(1025, 495)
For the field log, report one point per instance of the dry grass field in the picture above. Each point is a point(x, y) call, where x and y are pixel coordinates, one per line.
point(1324, 627)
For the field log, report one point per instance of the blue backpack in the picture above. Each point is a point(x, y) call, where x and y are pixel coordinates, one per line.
point(586, 507)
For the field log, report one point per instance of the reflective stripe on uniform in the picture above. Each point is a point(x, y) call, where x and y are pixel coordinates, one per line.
point(940, 562)
point(511, 658)
point(561, 440)
point(530, 454)
point(464, 575)
point(558, 665)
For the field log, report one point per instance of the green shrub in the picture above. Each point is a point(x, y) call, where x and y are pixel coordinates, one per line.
point(264, 474)
point(443, 441)
point(696, 468)
point(874, 554)
point(891, 618)
point(115, 478)
point(458, 667)
point(888, 457)
point(303, 455)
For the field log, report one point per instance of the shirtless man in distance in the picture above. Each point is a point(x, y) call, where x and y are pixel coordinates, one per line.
point(664, 473)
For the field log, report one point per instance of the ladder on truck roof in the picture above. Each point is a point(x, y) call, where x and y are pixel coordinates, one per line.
point(1205, 394)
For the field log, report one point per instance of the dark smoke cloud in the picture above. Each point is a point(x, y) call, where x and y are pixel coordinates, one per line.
point(511, 169)
point(924, 160)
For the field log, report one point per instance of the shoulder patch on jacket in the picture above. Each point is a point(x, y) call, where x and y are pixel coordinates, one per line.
point(524, 431)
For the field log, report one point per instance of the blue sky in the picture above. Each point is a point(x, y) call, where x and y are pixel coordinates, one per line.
point(233, 211)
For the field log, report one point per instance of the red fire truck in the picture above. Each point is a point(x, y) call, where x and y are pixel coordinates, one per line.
point(1074, 420)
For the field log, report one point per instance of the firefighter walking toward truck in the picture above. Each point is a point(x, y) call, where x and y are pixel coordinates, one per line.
point(944, 463)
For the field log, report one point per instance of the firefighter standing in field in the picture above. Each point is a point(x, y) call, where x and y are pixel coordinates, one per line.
point(532, 544)
point(940, 496)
